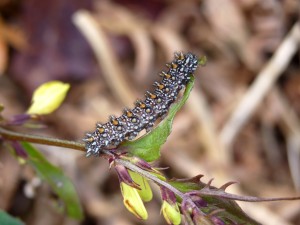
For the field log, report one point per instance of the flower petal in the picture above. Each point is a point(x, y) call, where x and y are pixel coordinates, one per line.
point(133, 201)
point(48, 97)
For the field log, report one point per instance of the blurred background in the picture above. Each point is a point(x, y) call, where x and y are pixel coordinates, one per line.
point(241, 122)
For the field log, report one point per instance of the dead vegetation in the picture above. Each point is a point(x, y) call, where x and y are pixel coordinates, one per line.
point(240, 123)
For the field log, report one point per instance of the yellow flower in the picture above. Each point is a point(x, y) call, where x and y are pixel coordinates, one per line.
point(133, 201)
point(48, 97)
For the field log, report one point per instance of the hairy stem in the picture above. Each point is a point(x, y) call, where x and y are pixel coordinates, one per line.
point(16, 136)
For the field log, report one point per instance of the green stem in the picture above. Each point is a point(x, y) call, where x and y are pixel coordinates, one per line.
point(16, 136)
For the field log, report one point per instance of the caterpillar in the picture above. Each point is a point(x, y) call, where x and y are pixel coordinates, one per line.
point(146, 112)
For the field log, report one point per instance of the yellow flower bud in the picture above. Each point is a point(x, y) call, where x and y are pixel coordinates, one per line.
point(48, 97)
point(133, 201)
point(145, 191)
point(171, 213)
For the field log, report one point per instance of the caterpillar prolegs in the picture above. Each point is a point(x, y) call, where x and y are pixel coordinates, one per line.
point(146, 112)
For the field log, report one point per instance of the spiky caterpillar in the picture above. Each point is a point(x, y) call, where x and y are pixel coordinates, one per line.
point(146, 112)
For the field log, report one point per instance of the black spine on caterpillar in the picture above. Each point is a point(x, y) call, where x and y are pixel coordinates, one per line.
point(146, 112)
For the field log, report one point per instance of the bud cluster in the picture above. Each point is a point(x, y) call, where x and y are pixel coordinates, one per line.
point(136, 190)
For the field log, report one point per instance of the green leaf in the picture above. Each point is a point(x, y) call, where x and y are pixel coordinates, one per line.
point(48, 97)
point(54, 176)
point(6, 219)
point(148, 146)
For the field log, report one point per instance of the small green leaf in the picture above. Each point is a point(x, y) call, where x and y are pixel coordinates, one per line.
point(48, 97)
point(6, 219)
point(148, 146)
point(54, 176)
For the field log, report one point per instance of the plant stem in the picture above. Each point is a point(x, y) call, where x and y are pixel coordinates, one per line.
point(16, 136)
point(148, 175)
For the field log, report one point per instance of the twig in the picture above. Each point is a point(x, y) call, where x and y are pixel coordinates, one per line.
point(261, 86)
point(120, 21)
point(15, 136)
point(291, 127)
point(102, 48)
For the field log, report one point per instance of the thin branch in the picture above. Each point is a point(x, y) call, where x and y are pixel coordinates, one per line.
point(263, 83)
point(15, 136)
point(98, 40)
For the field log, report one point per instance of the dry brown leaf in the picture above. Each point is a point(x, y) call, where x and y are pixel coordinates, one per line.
point(3, 56)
